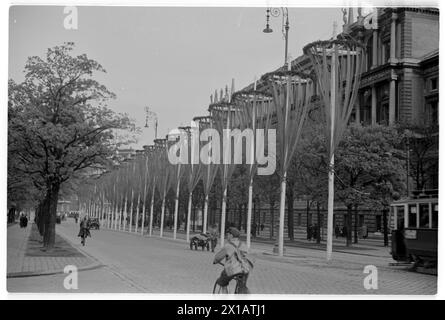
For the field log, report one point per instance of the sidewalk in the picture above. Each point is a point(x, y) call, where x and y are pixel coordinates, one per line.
point(25, 259)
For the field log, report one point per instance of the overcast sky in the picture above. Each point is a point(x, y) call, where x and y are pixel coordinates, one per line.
point(170, 59)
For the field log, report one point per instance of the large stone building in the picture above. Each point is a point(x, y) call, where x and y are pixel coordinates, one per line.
point(400, 80)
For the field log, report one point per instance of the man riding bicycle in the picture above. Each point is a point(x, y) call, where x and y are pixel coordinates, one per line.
point(233, 254)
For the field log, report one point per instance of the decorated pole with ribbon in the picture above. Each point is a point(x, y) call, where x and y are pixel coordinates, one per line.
point(254, 114)
point(338, 64)
point(207, 166)
point(154, 184)
point(144, 196)
point(292, 92)
point(165, 174)
point(223, 115)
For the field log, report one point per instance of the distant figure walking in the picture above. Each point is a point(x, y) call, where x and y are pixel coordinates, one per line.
point(253, 230)
point(23, 220)
point(310, 230)
point(84, 231)
point(337, 231)
point(364, 231)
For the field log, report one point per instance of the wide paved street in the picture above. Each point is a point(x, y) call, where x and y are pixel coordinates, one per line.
point(153, 265)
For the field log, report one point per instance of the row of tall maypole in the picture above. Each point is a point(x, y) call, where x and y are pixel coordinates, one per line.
point(279, 100)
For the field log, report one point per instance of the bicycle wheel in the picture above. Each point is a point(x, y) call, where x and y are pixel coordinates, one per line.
point(216, 288)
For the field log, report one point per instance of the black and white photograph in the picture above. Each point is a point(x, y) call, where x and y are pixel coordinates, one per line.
point(222, 151)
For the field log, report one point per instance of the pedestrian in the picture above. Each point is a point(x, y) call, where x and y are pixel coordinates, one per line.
point(337, 231)
point(213, 233)
point(309, 232)
point(84, 230)
point(253, 231)
point(23, 220)
point(262, 227)
point(316, 232)
point(364, 231)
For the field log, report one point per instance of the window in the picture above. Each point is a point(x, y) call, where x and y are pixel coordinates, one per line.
point(431, 112)
point(386, 51)
point(424, 219)
point(400, 217)
point(433, 84)
point(382, 112)
point(365, 107)
point(435, 212)
point(412, 216)
point(378, 223)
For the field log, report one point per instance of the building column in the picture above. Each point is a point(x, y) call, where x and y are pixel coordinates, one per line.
point(392, 99)
point(373, 105)
point(393, 38)
point(374, 48)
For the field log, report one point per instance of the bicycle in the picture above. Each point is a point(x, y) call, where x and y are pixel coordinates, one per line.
point(238, 286)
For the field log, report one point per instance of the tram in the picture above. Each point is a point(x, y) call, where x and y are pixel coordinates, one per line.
point(414, 224)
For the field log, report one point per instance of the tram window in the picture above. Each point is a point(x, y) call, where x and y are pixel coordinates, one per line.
point(412, 216)
point(400, 217)
point(434, 215)
point(424, 219)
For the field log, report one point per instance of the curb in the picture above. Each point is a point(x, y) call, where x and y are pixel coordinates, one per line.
point(99, 264)
point(95, 265)
point(26, 274)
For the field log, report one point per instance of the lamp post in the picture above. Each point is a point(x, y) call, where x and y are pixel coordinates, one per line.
point(275, 12)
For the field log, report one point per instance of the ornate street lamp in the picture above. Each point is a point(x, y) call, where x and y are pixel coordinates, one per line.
point(275, 12)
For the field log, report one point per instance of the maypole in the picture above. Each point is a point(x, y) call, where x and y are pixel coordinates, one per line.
point(193, 170)
point(254, 114)
point(154, 169)
point(131, 182)
point(223, 114)
point(208, 169)
point(292, 92)
point(176, 175)
point(338, 65)
point(140, 178)
point(125, 185)
point(116, 201)
point(165, 173)
point(144, 197)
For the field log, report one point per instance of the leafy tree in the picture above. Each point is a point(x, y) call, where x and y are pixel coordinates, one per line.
point(267, 188)
point(312, 175)
point(368, 169)
point(421, 145)
point(59, 126)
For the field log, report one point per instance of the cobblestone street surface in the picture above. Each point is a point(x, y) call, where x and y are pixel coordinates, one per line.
point(133, 263)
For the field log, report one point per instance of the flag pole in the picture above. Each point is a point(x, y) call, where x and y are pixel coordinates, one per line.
point(331, 152)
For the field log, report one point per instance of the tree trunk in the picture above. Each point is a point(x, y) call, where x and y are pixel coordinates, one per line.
point(272, 222)
point(49, 235)
point(318, 223)
point(356, 224)
point(40, 215)
point(194, 218)
point(290, 210)
point(240, 216)
point(308, 219)
point(385, 227)
point(349, 226)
